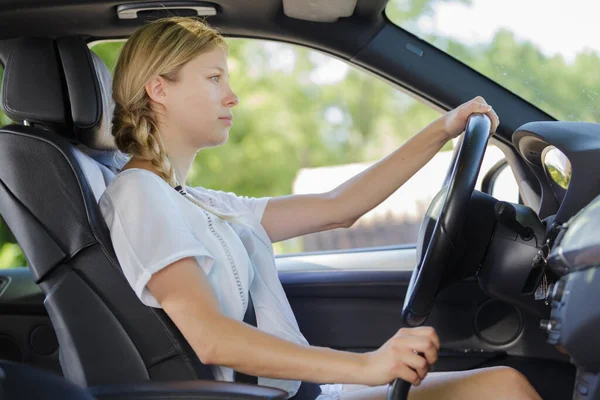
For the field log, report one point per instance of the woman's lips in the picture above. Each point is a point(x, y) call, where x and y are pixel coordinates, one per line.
point(227, 120)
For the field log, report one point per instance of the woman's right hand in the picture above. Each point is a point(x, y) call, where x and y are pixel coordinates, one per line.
point(398, 357)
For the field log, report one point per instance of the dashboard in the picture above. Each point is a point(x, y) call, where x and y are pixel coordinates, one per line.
point(558, 170)
point(570, 149)
point(564, 156)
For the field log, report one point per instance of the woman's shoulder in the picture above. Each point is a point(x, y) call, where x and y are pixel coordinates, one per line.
point(141, 198)
point(137, 178)
point(221, 200)
point(138, 174)
point(134, 185)
point(231, 202)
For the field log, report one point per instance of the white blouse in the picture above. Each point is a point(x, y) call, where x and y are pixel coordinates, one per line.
point(152, 225)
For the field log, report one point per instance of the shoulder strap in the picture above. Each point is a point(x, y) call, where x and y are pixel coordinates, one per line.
point(307, 390)
point(250, 319)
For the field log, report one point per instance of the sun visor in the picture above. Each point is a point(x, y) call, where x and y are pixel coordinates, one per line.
point(319, 10)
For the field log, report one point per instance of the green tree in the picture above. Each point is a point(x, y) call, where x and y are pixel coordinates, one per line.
point(11, 255)
point(565, 90)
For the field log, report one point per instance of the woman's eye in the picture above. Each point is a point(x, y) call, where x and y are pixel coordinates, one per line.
point(215, 78)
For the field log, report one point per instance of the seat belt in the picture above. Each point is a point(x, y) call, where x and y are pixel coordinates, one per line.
point(250, 319)
point(306, 391)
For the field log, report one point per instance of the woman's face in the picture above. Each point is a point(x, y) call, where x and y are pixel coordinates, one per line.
point(198, 104)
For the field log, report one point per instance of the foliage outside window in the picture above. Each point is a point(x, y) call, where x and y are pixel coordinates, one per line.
point(4, 120)
point(10, 253)
point(305, 122)
point(550, 60)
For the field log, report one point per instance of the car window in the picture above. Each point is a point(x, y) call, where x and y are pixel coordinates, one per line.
point(4, 120)
point(501, 40)
point(505, 188)
point(307, 122)
point(11, 255)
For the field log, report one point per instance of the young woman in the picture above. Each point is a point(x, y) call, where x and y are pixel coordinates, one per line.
point(201, 254)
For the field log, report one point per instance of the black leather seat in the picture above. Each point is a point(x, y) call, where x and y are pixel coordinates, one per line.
point(53, 169)
point(48, 197)
point(23, 382)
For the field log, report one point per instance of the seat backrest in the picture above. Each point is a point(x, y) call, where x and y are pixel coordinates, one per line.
point(53, 169)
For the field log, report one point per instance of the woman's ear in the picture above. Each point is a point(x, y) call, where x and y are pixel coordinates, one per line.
point(156, 90)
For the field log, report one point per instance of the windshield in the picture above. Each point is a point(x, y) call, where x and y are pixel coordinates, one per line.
point(545, 51)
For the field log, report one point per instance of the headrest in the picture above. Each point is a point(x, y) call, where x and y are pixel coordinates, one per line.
point(89, 85)
point(59, 84)
point(31, 88)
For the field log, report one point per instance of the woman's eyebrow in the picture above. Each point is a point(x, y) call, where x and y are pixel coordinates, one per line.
point(219, 68)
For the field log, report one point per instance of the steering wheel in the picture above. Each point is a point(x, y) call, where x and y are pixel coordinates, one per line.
point(443, 222)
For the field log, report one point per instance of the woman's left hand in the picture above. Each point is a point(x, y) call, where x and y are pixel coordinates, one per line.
point(454, 122)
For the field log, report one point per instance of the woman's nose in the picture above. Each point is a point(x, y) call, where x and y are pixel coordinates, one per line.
point(231, 100)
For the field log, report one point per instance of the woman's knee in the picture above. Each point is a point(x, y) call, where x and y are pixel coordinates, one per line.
point(512, 381)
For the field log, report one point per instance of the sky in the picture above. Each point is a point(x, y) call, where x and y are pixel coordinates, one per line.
point(556, 26)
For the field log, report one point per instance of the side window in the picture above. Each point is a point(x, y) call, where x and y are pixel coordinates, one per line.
point(307, 122)
point(108, 51)
point(11, 255)
point(4, 120)
point(505, 186)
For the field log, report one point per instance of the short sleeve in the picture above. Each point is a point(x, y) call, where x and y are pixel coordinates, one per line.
point(148, 230)
point(256, 205)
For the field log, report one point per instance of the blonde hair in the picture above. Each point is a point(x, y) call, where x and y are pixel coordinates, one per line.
point(160, 48)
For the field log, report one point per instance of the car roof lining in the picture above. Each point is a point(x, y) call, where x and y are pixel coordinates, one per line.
point(98, 18)
point(319, 10)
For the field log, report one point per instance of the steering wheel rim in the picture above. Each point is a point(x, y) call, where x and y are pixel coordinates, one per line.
point(443, 222)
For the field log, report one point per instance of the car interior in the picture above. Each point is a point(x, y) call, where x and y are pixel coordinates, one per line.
point(502, 283)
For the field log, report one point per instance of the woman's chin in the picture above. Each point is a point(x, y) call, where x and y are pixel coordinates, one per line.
point(219, 140)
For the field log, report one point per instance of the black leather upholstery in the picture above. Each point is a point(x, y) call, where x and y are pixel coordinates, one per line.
point(50, 182)
point(20, 382)
point(32, 90)
point(82, 87)
point(88, 83)
point(189, 390)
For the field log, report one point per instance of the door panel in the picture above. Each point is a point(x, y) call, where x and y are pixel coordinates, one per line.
point(401, 258)
point(359, 309)
point(356, 310)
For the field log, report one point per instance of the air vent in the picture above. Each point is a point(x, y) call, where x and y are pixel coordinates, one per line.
point(188, 8)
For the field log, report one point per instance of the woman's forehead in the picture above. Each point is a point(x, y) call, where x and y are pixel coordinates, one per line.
point(214, 58)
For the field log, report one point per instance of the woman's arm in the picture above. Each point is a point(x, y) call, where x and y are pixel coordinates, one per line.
point(185, 294)
point(296, 215)
point(187, 297)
